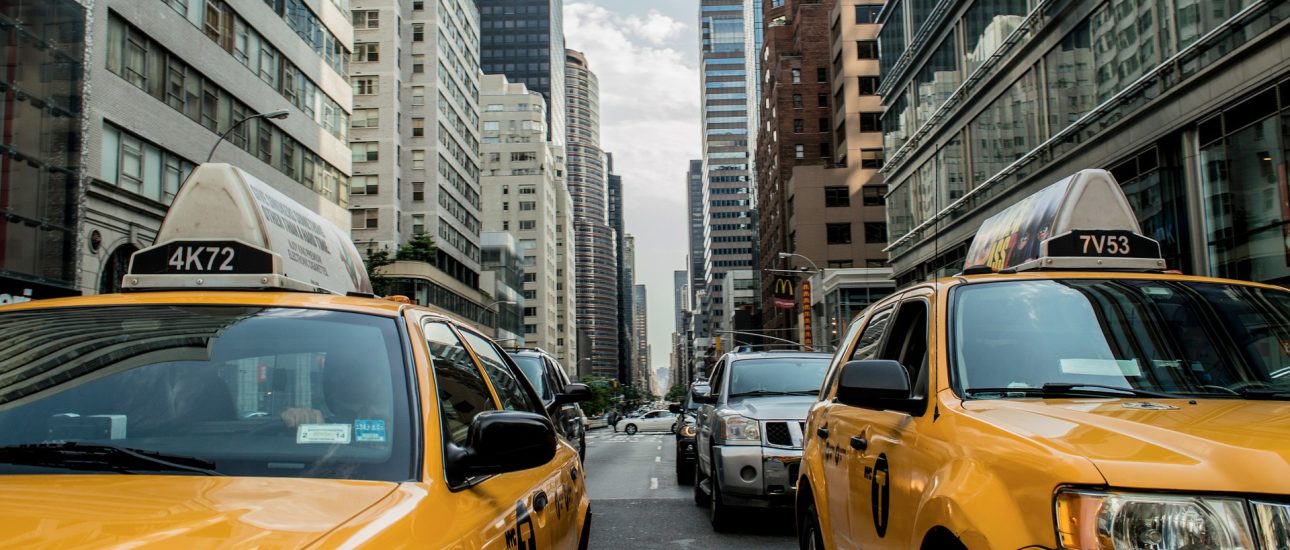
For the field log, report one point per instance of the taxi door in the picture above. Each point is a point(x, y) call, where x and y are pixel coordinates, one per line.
point(836, 420)
point(888, 466)
point(557, 489)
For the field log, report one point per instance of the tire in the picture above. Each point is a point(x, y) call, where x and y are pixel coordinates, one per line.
point(808, 527)
point(700, 497)
point(718, 512)
point(684, 476)
point(630, 429)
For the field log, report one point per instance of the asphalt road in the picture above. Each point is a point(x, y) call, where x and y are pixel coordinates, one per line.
point(638, 504)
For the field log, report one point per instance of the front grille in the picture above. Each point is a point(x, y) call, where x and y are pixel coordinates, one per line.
point(777, 434)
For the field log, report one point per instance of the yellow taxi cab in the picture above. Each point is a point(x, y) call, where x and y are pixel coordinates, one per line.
point(248, 391)
point(1065, 391)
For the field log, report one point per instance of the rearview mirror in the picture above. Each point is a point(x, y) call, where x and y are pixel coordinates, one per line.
point(701, 394)
point(499, 442)
point(876, 384)
point(574, 393)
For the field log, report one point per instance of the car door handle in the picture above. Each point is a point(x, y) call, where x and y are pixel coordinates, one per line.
point(823, 432)
point(539, 501)
point(859, 443)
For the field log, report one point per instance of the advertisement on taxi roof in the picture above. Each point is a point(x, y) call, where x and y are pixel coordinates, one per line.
point(1013, 235)
point(311, 243)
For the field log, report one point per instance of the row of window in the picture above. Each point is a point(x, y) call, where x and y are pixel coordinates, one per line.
point(302, 20)
point(840, 196)
point(840, 233)
point(169, 79)
point(140, 167)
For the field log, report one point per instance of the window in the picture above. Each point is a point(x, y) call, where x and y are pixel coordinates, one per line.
point(871, 158)
point(822, 100)
point(523, 156)
point(825, 150)
point(838, 233)
point(837, 196)
point(823, 125)
point(797, 101)
point(418, 32)
point(873, 195)
point(528, 224)
point(528, 206)
point(821, 75)
point(799, 151)
point(512, 393)
point(868, 85)
point(530, 277)
point(797, 76)
point(418, 224)
point(492, 126)
point(875, 232)
point(418, 159)
point(866, 49)
point(365, 218)
point(418, 190)
point(368, 85)
point(870, 122)
point(365, 118)
point(463, 393)
point(867, 14)
point(799, 125)
point(418, 95)
point(364, 185)
point(418, 126)
point(366, 52)
point(367, 19)
point(528, 190)
point(365, 151)
point(418, 5)
point(841, 264)
point(418, 63)
point(872, 335)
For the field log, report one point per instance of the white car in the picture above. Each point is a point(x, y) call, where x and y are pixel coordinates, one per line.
point(660, 420)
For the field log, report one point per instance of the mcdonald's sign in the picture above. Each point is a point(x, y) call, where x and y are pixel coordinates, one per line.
point(782, 294)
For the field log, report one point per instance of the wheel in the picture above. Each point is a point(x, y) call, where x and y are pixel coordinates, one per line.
point(683, 475)
point(700, 497)
point(718, 512)
point(808, 528)
point(630, 429)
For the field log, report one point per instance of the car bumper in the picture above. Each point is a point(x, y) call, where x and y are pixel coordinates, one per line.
point(685, 450)
point(757, 476)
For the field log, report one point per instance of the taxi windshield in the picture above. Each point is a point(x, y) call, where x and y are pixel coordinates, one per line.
point(1175, 337)
point(245, 391)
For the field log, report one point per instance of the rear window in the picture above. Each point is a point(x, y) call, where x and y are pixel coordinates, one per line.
point(247, 391)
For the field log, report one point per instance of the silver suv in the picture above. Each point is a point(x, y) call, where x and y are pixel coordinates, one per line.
point(749, 440)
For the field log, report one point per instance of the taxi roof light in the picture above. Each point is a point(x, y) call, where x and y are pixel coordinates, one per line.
point(227, 229)
point(1081, 222)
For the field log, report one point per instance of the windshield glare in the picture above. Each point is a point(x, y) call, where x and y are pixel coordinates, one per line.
point(257, 391)
point(1177, 337)
point(777, 375)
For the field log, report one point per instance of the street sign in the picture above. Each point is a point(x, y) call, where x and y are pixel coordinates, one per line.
point(782, 294)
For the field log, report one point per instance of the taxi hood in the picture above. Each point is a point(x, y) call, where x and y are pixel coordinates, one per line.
point(65, 511)
point(1218, 445)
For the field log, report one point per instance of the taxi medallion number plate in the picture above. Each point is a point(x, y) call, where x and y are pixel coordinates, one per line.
point(209, 257)
point(1113, 244)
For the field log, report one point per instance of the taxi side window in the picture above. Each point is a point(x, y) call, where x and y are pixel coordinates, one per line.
point(510, 390)
point(872, 336)
point(906, 343)
point(462, 390)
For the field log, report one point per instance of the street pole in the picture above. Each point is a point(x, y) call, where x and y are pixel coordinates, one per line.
point(278, 114)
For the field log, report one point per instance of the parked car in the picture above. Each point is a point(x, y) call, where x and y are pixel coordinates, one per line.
point(550, 379)
point(749, 439)
point(659, 420)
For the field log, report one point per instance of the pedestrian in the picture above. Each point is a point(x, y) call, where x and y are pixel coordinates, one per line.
point(613, 419)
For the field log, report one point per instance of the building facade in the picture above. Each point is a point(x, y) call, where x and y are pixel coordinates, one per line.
point(522, 179)
point(502, 278)
point(167, 78)
point(524, 40)
point(594, 240)
point(415, 138)
point(626, 305)
point(642, 373)
point(1184, 101)
point(727, 203)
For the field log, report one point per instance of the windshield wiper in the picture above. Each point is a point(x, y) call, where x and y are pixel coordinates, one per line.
point(1267, 393)
point(76, 455)
point(1064, 389)
point(770, 392)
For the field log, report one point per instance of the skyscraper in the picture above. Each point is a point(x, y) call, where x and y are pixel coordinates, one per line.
point(729, 90)
point(595, 254)
point(524, 40)
point(625, 246)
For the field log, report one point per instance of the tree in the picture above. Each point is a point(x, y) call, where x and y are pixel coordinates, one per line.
point(677, 394)
point(376, 260)
point(420, 248)
point(601, 395)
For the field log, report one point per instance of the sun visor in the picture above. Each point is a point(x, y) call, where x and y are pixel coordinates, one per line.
point(228, 230)
point(1081, 222)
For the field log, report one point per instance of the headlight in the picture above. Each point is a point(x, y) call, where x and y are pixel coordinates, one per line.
point(1089, 520)
point(739, 429)
point(687, 430)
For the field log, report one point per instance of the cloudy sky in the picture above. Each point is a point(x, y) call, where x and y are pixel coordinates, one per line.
point(646, 55)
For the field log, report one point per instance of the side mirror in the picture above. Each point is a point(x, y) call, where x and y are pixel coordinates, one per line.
point(702, 394)
point(574, 393)
point(876, 384)
point(499, 442)
point(674, 408)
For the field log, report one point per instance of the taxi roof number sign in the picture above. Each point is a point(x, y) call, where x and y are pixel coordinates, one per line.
point(226, 229)
point(1081, 222)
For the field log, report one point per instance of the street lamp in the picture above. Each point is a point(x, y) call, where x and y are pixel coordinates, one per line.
point(786, 255)
point(498, 302)
point(278, 114)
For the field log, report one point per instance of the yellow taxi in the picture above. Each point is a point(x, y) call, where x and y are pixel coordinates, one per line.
point(1065, 391)
point(248, 391)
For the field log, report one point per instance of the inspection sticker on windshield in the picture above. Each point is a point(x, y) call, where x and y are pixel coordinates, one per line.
point(323, 433)
point(369, 431)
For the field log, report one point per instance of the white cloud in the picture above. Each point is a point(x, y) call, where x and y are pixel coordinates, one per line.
point(649, 117)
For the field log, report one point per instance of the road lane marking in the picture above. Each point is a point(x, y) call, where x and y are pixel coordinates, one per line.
point(660, 447)
point(653, 483)
point(658, 459)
